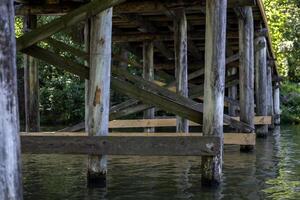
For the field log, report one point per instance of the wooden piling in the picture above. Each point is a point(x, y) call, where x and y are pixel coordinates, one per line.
point(277, 104)
point(261, 82)
point(148, 74)
point(181, 64)
point(270, 95)
point(10, 167)
point(31, 83)
point(99, 91)
point(246, 68)
point(214, 85)
point(232, 94)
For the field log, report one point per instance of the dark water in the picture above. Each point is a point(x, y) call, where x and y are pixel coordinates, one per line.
point(271, 172)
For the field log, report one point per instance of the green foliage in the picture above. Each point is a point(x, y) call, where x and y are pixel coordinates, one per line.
point(284, 22)
point(290, 102)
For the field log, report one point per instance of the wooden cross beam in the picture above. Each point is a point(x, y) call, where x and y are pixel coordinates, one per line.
point(64, 22)
point(122, 144)
point(146, 26)
point(153, 95)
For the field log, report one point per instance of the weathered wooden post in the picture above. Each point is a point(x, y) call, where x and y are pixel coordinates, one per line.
point(246, 68)
point(277, 111)
point(148, 74)
point(270, 95)
point(99, 90)
point(261, 82)
point(214, 85)
point(10, 167)
point(181, 63)
point(31, 83)
point(232, 93)
point(124, 56)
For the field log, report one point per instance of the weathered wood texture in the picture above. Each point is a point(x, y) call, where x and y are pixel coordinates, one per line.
point(148, 74)
point(122, 145)
point(128, 7)
point(169, 122)
point(261, 82)
point(246, 65)
point(229, 138)
point(181, 63)
point(99, 87)
point(277, 111)
point(31, 83)
point(214, 86)
point(270, 93)
point(10, 167)
point(64, 22)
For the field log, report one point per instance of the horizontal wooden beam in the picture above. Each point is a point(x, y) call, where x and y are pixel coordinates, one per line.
point(229, 138)
point(170, 122)
point(64, 22)
point(122, 145)
point(128, 7)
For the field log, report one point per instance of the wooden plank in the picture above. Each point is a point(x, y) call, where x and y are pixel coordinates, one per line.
point(181, 62)
point(170, 122)
point(31, 83)
point(99, 89)
point(10, 162)
point(229, 138)
point(261, 83)
point(64, 22)
point(214, 86)
point(122, 145)
point(148, 74)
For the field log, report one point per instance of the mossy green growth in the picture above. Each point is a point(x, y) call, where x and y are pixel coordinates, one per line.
point(290, 103)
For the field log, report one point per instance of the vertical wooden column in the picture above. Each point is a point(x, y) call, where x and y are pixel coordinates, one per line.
point(277, 104)
point(31, 84)
point(270, 95)
point(261, 82)
point(181, 64)
point(124, 56)
point(246, 68)
point(99, 90)
point(232, 93)
point(10, 167)
point(214, 86)
point(148, 74)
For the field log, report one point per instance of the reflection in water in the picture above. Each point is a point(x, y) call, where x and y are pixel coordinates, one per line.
point(271, 172)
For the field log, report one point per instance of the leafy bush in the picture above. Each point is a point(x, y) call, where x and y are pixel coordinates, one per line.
point(290, 102)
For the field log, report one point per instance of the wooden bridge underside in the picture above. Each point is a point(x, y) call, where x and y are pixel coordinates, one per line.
point(134, 23)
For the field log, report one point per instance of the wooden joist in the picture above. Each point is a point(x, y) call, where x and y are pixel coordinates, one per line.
point(64, 22)
point(170, 122)
point(177, 145)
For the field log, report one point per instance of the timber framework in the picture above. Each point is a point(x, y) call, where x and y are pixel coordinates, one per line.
point(210, 63)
